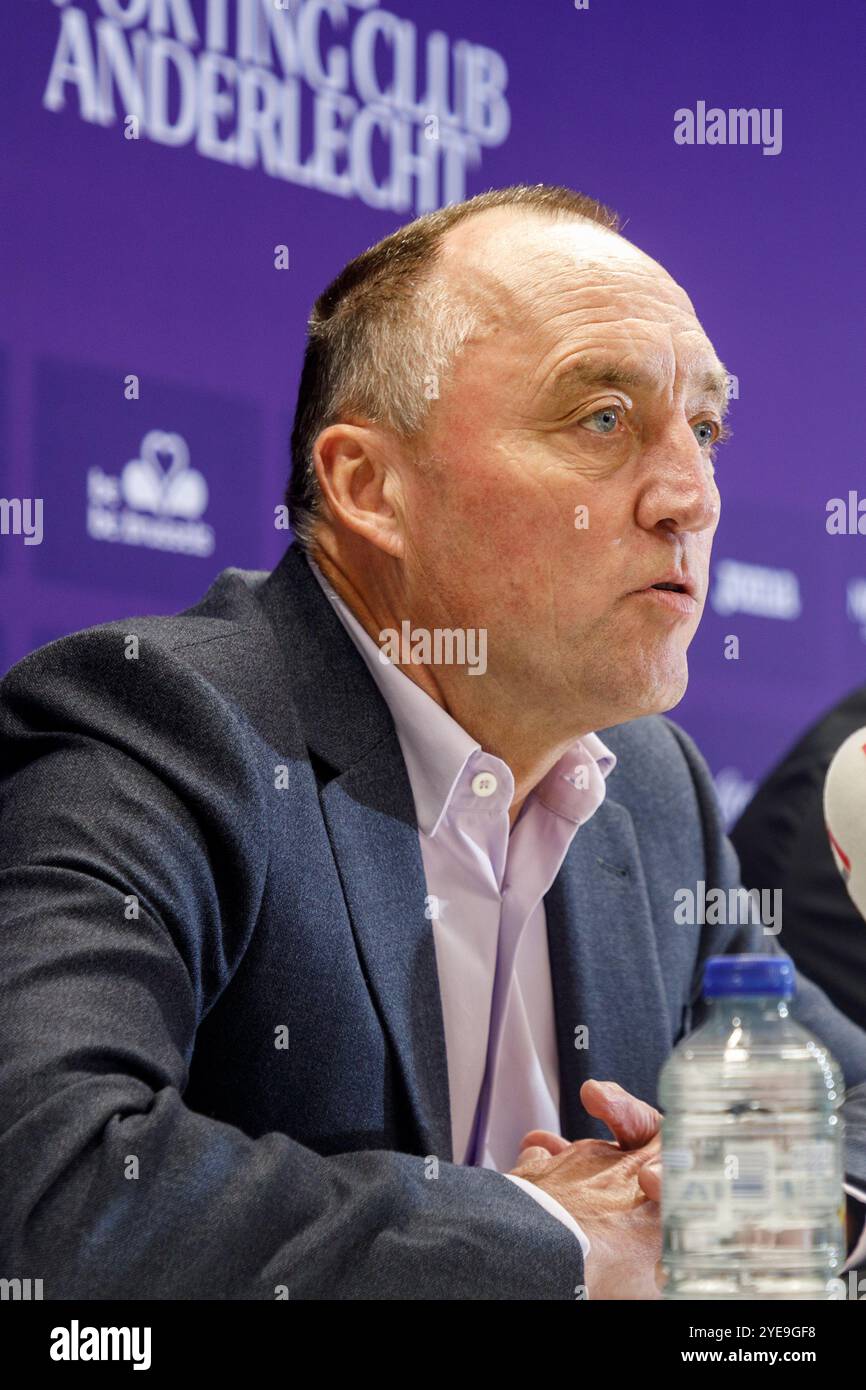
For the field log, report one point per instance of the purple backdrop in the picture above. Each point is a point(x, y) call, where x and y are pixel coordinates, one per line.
point(150, 347)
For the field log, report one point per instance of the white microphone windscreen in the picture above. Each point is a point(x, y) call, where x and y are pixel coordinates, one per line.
point(845, 814)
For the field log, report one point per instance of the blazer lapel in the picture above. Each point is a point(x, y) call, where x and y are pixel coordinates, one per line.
point(609, 1000)
point(374, 836)
point(370, 816)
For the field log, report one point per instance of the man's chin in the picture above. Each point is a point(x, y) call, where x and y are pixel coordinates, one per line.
point(659, 695)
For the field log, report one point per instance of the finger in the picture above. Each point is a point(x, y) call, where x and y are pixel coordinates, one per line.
point(631, 1121)
point(534, 1154)
point(545, 1139)
point(649, 1177)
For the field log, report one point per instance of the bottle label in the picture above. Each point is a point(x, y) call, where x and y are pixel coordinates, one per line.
point(752, 1183)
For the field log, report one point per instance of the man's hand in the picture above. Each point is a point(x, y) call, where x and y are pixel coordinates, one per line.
point(611, 1188)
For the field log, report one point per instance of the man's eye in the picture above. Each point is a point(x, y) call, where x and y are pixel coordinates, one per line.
point(710, 433)
point(607, 419)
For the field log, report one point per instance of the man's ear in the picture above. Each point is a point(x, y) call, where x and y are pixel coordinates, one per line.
point(355, 466)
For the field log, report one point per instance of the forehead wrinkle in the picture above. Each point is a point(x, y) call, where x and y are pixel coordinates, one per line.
point(548, 273)
point(628, 317)
point(544, 361)
point(598, 366)
point(601, 304)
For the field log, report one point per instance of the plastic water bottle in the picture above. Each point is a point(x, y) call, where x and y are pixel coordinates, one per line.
point(752, 1199)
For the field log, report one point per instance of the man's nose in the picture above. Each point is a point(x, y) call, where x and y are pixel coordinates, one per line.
point(678, 490)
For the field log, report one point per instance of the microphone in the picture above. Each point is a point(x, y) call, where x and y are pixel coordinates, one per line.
point(845, 815)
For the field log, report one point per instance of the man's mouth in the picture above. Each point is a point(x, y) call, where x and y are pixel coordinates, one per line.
point(676, 595)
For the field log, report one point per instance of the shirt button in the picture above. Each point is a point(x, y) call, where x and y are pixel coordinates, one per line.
point(484, 784)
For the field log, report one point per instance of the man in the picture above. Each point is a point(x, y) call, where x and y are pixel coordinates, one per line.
point(302, 947)
point(782, 842)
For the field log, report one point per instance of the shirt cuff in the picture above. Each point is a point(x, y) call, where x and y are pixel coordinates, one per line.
point(858, 1254)
point(555, 1208)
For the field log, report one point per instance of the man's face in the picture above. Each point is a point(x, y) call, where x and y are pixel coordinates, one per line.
point(589, 388)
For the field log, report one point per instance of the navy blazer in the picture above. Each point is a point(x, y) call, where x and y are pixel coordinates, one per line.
point(222, 1058)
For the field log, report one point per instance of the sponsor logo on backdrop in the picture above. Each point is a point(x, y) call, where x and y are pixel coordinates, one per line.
point(150, 487)
point(157, 500)
point(755, 589)
point(343, 97)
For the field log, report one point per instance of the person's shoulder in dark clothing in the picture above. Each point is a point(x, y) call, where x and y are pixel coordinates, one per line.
point(782, 844)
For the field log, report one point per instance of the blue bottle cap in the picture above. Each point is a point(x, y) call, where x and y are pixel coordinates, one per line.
point(749, 974)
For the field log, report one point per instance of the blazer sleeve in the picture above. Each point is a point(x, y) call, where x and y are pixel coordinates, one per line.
point(811, 1007)
point(131, 833)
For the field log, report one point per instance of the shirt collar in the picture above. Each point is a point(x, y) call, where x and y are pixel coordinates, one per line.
point(436, 749)
point(575, 786)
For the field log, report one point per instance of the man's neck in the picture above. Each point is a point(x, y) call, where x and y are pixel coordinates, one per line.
point(529, 752)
